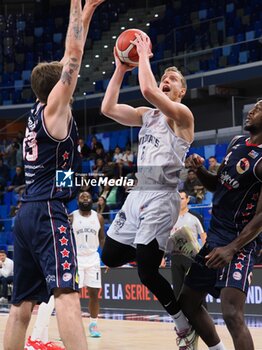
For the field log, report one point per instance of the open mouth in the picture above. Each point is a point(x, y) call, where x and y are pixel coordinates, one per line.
point(166, 88)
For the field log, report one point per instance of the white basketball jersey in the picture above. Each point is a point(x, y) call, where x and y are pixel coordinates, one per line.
point(86, 230)
point(161, 153)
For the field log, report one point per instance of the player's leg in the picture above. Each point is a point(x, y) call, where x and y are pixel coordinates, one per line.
point(234, 281)
point(69, 319)
point(40, 330)
point(93, 308)
point(232, 303)
point(119, 243)
point(59, 265)
point(16, 326)
point(116, 254)
point(191, 302)
point(198, 283)
point(148, 260)
point(29, 284)
point(92, 279)
point(180, 265)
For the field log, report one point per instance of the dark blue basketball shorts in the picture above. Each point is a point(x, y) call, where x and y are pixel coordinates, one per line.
point(237, 274)
point(44, 251)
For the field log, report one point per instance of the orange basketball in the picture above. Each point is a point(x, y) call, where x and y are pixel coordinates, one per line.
point(126, 51)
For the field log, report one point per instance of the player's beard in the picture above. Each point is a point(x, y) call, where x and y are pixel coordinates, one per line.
point(85, 206)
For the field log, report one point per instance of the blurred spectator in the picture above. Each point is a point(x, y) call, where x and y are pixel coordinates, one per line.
point(99, 153)
point(18, 181)
point(4, 175)
point(6, 275)
point(127, 162)
point(116, 197)
point(213, 165)
point(110, 168)
point(105, 191)
point(94, 145)
point(103, 208)
point(10, 153)
point(83, 149)
point(98, 167)
point(128, 157)
point(117, 156)
point(193, 187)
point(20, 137)
point(19, 154)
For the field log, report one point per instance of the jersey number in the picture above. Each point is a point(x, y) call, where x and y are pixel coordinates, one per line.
point(30, 147)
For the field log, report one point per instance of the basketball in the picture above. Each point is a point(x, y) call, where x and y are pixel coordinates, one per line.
point(125, 50)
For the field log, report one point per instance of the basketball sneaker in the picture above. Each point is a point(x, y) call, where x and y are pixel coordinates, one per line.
point(183, 241)
point(93, 331)
point(53, 346)
point(34, 345)
point(187, 340)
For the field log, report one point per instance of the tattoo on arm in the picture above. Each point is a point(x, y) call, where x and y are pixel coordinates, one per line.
point(77, 25)
point(69, 68)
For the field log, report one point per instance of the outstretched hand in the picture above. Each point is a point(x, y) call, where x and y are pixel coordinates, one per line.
point(143, 45)
point(219, 257)
point(194, 161)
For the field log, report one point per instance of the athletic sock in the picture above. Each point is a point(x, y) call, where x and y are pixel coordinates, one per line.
point(219, 346)
point(93, 320)
point(180, 321)
point(40, 330)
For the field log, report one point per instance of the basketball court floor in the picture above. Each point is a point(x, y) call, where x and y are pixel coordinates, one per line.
point(139, 331)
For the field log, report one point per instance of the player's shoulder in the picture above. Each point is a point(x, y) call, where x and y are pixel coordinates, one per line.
point(237, 140)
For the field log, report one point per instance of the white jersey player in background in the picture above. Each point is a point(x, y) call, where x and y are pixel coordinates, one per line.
point(88, 228)
point(141, 228)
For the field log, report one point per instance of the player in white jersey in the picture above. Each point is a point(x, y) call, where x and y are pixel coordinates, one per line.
point(88, 227)
point(141, 228)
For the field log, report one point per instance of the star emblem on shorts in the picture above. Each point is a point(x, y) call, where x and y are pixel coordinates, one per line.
point(249, 206)
point(63, 240)
point(66, 265)
point(62, 229)
point(65, 155)
point(239, 266)
point(241, 256)
point(246, 214)
point(65, 253)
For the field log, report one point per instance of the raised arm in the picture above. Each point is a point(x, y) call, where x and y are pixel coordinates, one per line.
point(88, 11)
point(58, 112)
point(122, 113)
point(176, 111)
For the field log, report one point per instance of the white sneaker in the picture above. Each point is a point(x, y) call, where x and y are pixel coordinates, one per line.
point(187, 340)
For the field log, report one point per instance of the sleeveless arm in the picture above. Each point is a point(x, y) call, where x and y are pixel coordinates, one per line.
point(101, 234)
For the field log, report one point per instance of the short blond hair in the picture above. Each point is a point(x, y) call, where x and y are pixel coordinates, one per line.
point(44, 77)
point(175, 69)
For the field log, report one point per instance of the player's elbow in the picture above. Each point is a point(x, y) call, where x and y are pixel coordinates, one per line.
point(107, 109)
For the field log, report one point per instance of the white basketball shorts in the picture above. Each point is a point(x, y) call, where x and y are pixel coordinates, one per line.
point(89, 271)
point(146, 215)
